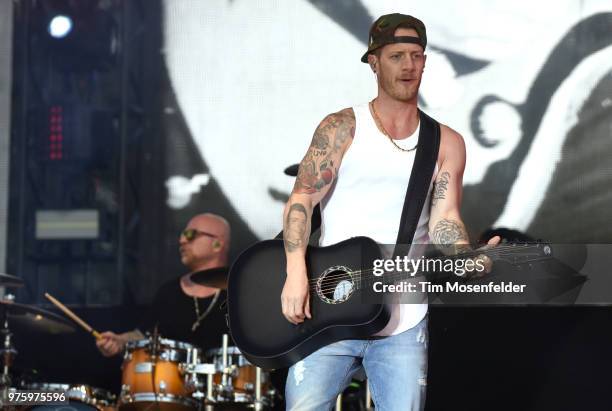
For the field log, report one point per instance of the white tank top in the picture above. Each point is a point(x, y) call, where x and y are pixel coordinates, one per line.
point(367, 199)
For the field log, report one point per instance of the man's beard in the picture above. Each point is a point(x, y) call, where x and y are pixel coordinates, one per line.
point(396, 91)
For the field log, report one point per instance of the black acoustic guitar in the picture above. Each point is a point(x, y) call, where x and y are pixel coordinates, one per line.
point(342, 301)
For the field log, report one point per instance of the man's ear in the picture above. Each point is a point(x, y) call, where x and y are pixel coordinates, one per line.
point(373, 62)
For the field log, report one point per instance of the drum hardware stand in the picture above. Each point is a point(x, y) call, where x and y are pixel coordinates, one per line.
point(253, 395)
point(192, 382)
point(209, 392)
point(224, 360)
point(8, 353)
point(155, 347)
point(338, 406)
point(368, 398)
point(226, 389)
point(125, 394)
point(191, 370)
point(258, 405)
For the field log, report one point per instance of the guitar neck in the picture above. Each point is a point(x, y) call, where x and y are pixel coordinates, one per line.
point(442, 267)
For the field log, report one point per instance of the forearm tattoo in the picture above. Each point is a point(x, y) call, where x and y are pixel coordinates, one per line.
point(295, 232)
point(440, 188)
point(317, 168)
point(448, 232)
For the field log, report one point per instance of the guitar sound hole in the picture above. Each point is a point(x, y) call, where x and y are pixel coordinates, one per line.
point(335, 285)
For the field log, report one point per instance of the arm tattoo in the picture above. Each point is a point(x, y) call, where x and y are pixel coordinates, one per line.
point(317, 169)
point(294, 232)
point(440, 188)
point(447, 232)
point(320, 141)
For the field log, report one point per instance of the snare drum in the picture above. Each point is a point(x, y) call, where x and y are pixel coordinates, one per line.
point(240, 375)
point(80, 397)
point(152, 377)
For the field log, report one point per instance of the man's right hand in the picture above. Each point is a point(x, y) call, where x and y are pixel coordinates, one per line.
point(295, 297)
point(111, 344)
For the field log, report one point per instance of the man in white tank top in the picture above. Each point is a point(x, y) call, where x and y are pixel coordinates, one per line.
point(358, 166)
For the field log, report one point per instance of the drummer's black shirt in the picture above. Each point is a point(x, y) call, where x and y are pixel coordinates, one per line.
point(174, 314)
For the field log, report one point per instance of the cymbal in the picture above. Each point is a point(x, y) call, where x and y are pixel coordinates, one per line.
point(7, 280)
point(215, 277)
point(33, 319)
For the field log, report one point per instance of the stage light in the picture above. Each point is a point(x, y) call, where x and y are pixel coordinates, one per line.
point(60, 26)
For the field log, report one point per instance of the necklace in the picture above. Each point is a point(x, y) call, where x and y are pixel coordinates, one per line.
point(382, 128)
point(199, 317)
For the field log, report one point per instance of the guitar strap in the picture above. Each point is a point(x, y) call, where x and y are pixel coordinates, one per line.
point(420, 179)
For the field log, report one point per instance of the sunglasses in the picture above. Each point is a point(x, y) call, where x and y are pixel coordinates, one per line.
point(191, 234)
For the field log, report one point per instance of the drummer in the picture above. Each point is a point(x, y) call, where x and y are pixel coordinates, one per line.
point(183, 310)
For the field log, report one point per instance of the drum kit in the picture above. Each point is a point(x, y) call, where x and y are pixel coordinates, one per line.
point(158, 374)
point(168, 375)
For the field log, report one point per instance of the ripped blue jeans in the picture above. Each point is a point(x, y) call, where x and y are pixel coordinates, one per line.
point(396, 368)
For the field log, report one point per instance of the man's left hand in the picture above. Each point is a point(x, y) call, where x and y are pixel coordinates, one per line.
point(484, 259)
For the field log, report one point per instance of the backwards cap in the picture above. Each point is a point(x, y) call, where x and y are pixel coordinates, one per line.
point(383, 29)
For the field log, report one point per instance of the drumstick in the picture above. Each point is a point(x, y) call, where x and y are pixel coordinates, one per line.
point(73, 316)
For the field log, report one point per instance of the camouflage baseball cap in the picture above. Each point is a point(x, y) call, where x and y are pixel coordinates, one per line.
point(383, 29)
